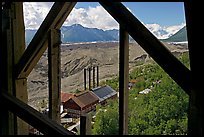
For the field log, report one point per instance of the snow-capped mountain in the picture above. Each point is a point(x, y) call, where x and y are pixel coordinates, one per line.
point(78, 33)
point(180, 36)
point(163, 32)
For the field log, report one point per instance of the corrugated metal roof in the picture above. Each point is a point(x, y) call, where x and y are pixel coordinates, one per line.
point(104, 92)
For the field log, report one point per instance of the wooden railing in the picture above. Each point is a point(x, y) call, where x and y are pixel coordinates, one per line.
point(38, 120)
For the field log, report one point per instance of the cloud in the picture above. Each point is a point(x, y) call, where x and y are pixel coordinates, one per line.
point(92, 17)
point(35, 13)
point(173, 29)
point(163, 32)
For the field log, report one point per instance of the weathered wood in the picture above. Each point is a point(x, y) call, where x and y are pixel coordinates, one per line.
point(54, 74)
point(39, 43)
point(82, 125)
point(85, 124)
point(6, 59)
point(21, 93)
point(195, 115)
point(32, 116)
point(176, 70)
point(123, 82)
point(18, 35)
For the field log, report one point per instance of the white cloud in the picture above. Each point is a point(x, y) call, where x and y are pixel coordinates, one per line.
point(163, 32)
point(35, 13)
point(173, 29)
point(92, 17)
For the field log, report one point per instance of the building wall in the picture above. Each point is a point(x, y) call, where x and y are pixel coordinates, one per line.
point(71, 105)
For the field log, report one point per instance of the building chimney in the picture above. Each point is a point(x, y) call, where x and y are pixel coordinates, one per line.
point(84, 79)
point(97, 76)
point(94, 77)
point(89, 78)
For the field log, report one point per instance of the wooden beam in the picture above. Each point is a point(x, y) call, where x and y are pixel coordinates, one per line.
point(123, 82)
point(32, 116)
point(18, 35)
point(85, 124)
point(21, 93)
point(176, 70)
point(82, 125)
point(54, 74)
point(6, 50)
point(195, 115)
point(39, 43)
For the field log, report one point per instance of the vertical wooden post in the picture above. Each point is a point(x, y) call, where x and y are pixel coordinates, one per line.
point(82, 125)
point(195, 115)
point(21, 93)
point(54, 74)
point(123, 82)
point(6, 51)
point(14, 42)
point(85, 124)
point(19, 48)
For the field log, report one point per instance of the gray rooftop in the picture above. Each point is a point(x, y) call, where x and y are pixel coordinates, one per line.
point(104, 92)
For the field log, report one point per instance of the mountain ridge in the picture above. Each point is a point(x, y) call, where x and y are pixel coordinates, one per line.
point(78, 33)
point(179, 36)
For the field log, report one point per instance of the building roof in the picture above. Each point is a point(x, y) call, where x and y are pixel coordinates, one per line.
point(66, 96)
point(85, 98)
point(104, 92)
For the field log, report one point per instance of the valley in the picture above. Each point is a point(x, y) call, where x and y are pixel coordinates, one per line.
point(76, 57)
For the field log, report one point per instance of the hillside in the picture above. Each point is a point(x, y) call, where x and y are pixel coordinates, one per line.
point(179, 36)
point(76, 57)
point(156, 104)
point(78, 33)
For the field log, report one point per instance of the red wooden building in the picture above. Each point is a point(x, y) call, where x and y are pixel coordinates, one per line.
point(81, 103)
point(65, 96)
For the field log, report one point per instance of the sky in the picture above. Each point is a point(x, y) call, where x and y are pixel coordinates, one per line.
point(163, 13)
point(158, 17)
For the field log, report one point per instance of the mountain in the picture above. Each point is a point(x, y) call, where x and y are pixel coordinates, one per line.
point(179, 36)
point(114, 33)
point(78, 33)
